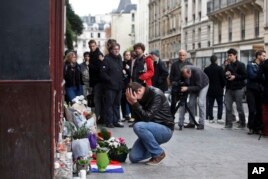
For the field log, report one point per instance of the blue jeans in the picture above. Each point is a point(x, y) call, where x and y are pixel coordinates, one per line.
point(72, 92)
point(150, 136)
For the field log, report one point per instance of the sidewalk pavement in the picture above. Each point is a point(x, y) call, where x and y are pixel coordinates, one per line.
point(193, 154)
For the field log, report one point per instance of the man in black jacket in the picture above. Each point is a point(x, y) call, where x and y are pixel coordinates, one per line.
point(154, 123)
point(96, 58)
point(175, 78)
point(112, 77)
point(160, 72)
point(216, 77)
point(235, 73)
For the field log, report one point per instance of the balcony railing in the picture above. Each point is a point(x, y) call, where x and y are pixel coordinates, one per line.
point(214, 5)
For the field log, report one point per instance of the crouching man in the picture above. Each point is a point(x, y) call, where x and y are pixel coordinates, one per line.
point(154, 123)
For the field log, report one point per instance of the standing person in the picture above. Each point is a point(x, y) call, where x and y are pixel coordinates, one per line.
point(154, 123)
point(175, 78)
point(72, 77)
point(112, 76)
point(235, 73)
point(143, 68)
point(96, 58)
point(125, 106)
point(216, 78)
point(254, 92)
point(85, 74)
point(265, 98)
point(197, 87)
point(160, 71)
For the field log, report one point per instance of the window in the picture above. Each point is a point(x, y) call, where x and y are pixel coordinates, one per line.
point(230, 28)
point(91, 35)
point(193, 17)
point(243, 26)
point(133, 17)
point(99, 35)
point(219, 32)
point(257, 23)
point(84, 43)
point(132, 28)
point(199, 15)
point(193, 40)
point(209, 35)
point(186, 40)
point(199, 37)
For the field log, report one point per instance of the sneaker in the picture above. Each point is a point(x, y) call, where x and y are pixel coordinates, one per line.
point(241, 126)
point(131, 120)
point(118, 124)
point(200, 127)
point(131, 125)
point(189, 126)
point(156, 160)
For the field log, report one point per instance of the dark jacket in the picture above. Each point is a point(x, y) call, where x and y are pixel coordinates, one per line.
point(72, 75)
point(127, 74)
point(85, 73)
point(175, 72)
point(216, 78)
point(198, 80)
point(160, 75)
point(153, 107)
point(237, 69)
point(255, 76)
point(94, 67)
point(112, 72)
point(265, 84)
point(143, 70)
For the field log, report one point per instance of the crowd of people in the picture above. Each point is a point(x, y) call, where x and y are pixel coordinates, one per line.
point(136, 82)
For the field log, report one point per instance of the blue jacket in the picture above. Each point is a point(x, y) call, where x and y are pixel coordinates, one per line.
point(254, 76)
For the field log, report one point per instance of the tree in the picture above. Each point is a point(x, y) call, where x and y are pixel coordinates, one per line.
point(74, 26)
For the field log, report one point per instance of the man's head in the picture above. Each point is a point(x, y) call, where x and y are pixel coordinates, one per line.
point(232, 55)
point(115, 49)
point(137, 88)
point(213, 59)
point(139, 48)
point(155, 54)
point(92, 44)
point(110, 42)
point(182, 55)
point(86, 56)
point(186, 72)
point(260, 55)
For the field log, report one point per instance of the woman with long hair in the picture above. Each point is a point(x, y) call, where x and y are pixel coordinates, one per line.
point(72, 77)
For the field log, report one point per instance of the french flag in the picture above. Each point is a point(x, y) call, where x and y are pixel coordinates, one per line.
point(113, 167)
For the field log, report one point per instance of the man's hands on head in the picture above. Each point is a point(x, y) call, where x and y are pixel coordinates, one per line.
point(131, 96)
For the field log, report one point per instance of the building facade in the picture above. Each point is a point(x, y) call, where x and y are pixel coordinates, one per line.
point(165, 27)
point(239, 24)
point(94, 28)
point(197, 32)
point(142, 26)
point(123, 24)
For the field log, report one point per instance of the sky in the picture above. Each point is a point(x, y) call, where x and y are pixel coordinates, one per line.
point(93, 7)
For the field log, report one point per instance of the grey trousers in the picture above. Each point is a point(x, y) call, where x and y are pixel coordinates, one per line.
point(232, 96)
point(202, 98)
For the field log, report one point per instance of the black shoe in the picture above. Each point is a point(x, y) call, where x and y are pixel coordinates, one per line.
point(131, 125)
point(189, 126)
point(200, 127)
point(180, 128)
point(100, 121)
point(109, 125)
point(118, 125)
